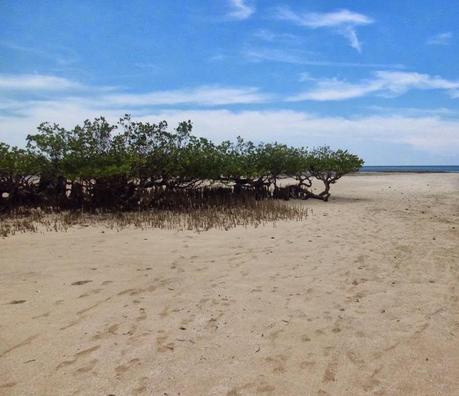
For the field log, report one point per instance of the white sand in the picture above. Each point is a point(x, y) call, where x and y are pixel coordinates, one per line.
point(361, 298)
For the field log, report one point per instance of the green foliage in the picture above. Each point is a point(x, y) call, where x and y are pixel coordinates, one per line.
point(16, 164)
point(331, 165)
point(98, 163)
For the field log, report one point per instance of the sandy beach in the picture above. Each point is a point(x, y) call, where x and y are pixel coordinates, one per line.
point(360, 298)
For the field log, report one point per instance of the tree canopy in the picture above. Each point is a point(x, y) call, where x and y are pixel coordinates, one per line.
point(115, 166)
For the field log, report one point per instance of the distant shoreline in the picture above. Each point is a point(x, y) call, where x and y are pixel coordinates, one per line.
point(410, 169)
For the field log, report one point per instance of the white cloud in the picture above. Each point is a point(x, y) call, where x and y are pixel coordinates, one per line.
point(240, 9)
point(320, 20)
point(204, 95)
point(274, 55)
point(201, 95)
point(351, 35)
point(414, 111)
point(35, 82)
point(306, 76)
point(399, 82)
point(332, 89)
point(440, 39)
point(344, 22)
point(271, 37)
point(392, 83)
point(263, 54)
point(431, 133)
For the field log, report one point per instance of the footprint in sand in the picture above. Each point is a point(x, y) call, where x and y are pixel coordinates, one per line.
point(307, 364)
point(123, 368)
point(278, 363)
point(85, 369)
point(79, 283)
point(17, 302)
point(266, 389)
point(330, 371)
point(162, 346)
point(7, 385)
point(21, 344)
point(77, 356)
point(142, 387)
point(44, 315)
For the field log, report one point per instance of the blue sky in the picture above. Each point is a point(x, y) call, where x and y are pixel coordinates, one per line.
point(380, 78)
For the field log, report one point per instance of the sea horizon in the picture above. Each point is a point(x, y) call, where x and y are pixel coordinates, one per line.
point(410, 168)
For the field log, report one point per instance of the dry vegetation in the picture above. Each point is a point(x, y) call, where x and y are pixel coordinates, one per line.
point(249, 213)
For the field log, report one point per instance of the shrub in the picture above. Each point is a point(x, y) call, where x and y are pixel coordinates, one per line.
point(135, 165)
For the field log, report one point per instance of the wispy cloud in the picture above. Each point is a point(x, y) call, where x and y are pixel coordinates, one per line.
point(240, 9)
point(257, 54)
point(440, 39)
point(36, 82)
point(343, 22)
point(203, 96)
point(217, 57)
point(388, 83)
point(293, 56)
point(271, 36)
point(62, 56)
point(415, 111)
point(323, 20)
point(35, 85)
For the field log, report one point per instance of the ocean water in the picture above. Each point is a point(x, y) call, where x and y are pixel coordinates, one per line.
point(413, 168)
